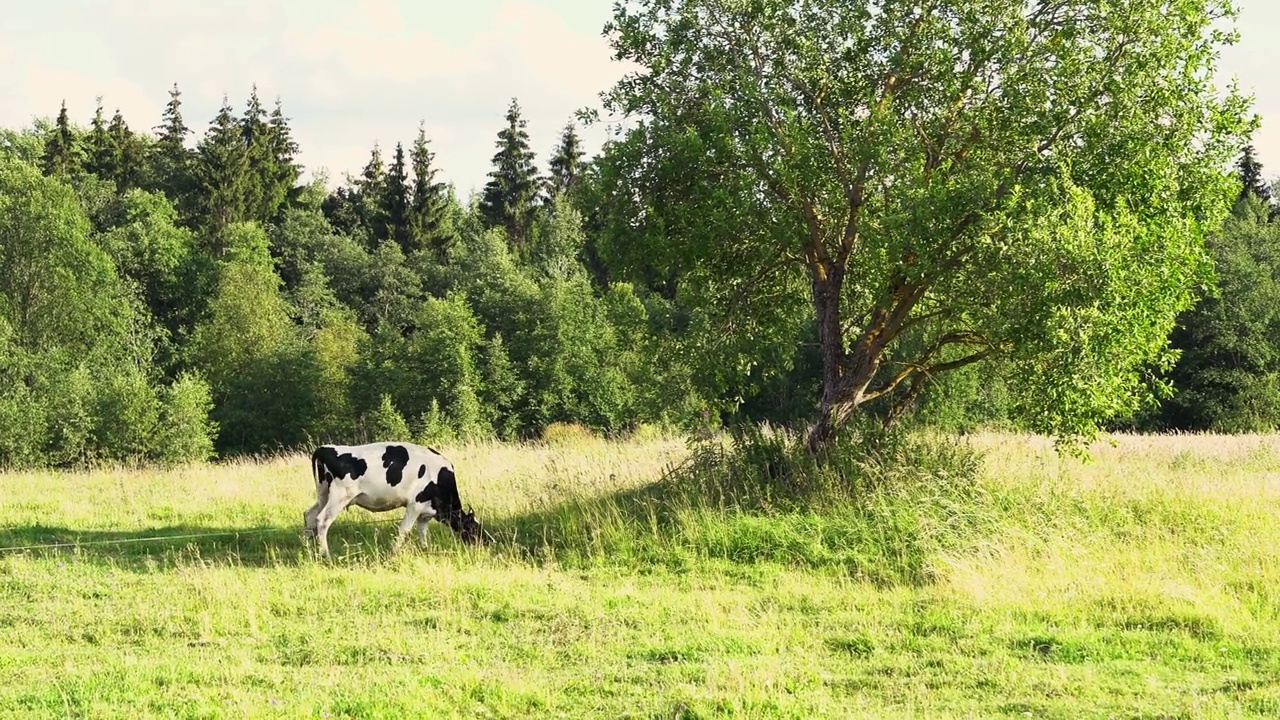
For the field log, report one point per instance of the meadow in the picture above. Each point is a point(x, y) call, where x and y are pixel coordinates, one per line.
point(634, 579)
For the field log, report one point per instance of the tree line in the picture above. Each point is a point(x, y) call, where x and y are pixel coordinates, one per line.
point(164, 302)
point(928, 248)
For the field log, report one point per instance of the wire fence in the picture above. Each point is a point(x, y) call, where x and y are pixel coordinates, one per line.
point(161, 538)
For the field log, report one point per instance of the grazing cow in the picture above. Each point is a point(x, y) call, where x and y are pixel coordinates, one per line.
point(384, 476)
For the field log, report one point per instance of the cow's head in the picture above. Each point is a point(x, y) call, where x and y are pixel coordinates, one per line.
point(468, 528)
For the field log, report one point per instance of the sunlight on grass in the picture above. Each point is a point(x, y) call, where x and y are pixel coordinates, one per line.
point(1138, 584)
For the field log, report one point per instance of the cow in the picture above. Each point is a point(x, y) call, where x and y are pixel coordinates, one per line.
point(383, 476)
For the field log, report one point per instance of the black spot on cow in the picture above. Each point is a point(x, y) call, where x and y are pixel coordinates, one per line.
point(443, 494)
point(394, 460)
point(333, 465)
point(422, 470)
point(437, 452)
point(428, 494)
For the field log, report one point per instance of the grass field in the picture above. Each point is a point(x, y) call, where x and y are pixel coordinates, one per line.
point(1142, 584)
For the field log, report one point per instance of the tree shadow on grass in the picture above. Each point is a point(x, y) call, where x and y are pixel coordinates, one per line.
point(886, 538)
point(183, 545)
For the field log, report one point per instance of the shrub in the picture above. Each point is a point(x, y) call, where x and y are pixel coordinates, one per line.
point(386, 422)
point(185, 433)
point(126, 416)
point(562, 433)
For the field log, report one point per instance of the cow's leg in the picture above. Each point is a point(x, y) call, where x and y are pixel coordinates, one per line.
point(423, 521)
point(313, 513)
point(337, 501)
point(406, 524)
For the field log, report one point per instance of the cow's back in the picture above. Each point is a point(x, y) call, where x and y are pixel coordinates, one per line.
point(386, 471)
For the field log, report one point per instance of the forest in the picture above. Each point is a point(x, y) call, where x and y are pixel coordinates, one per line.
point(167, 304)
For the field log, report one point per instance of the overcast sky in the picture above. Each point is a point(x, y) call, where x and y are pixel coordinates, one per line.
point(352, 72)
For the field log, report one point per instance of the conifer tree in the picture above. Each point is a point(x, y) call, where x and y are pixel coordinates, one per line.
point(100, 153)
point(260, 178)
point(1250, 173)
point(172, 161)
point(370, 189)
point(61, 150)
point(129, 158)
point(566, 163)
point(512, 189)
point(284, 152)
point(395, 200)
point(222, 170)
point(429, 209)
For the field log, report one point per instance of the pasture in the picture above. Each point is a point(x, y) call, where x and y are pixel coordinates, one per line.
point(1141, 584)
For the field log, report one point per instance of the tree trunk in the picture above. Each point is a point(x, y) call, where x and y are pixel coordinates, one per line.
point(847, 374)
point(834, 409)
point(832, 415)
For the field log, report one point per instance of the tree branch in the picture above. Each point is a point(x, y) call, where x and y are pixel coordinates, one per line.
point(958, 337)
point(739, 293)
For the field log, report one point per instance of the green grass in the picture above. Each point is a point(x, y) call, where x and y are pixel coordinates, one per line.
point(1142, 584)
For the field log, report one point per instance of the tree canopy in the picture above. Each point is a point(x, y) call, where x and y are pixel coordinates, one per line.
point(927, 185)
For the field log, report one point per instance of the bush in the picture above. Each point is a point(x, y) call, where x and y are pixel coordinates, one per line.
point(386, 422)
point(23, 428)
point(432, 364)
point(186, 433)
point(433, 428)
point(126, 416)
point(68, 412)
point(561, 433)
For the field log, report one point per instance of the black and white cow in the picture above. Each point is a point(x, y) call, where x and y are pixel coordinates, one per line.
point(384, 476)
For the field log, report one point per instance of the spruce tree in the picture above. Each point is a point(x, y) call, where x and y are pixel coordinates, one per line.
point(1250, 173)
point(284, 151)
point(566, 163)
point(172, 161)
point(260, 178)
point(512, 189)
point(222, 171)
point(395, 200)
point(100, 153)
point(61, 150)
point(129, 156)
point(370, 189)
point(429, 209)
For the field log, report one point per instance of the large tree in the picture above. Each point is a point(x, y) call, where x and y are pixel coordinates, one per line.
point(62, 152)
point(370, 190)
point(430, 204)
point(260, 192)
point(395, 200)
point(129, 154)
point(1228, 376)
point(964, 179)
point(1250, 171)
point(222, 171)
point(566, 163)
point(284, 152)
point(171, 159)
point(100, 154)
point(509, 196)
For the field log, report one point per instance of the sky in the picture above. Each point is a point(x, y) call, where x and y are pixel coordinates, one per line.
point(354, 72)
